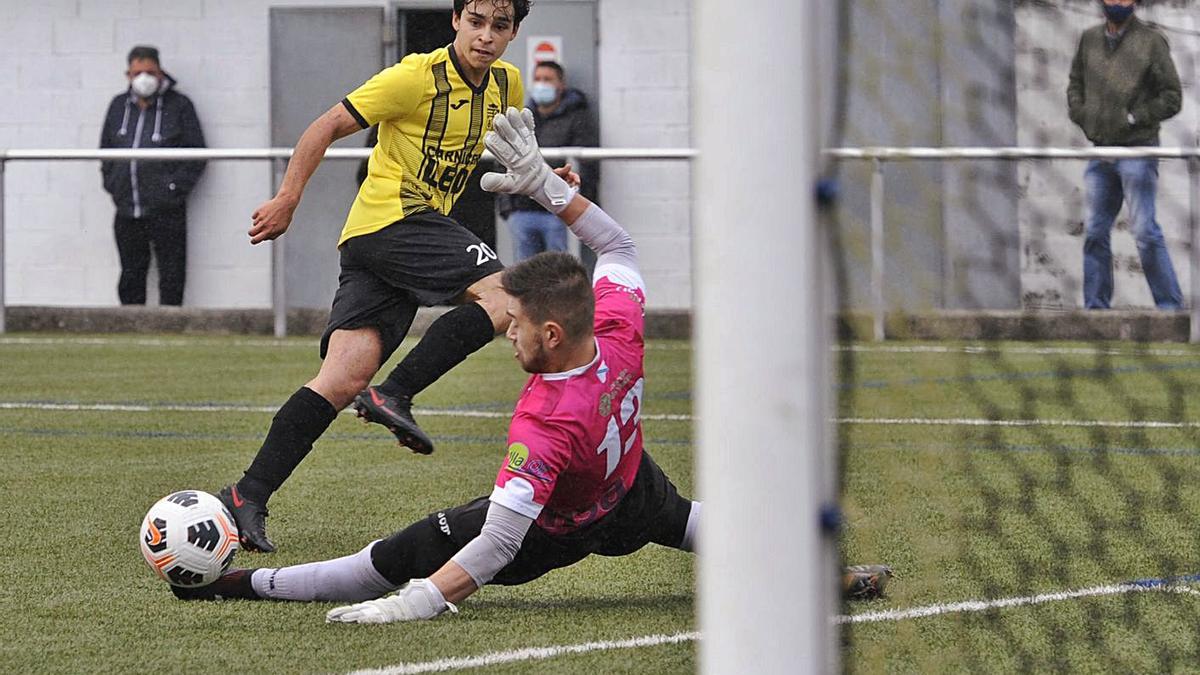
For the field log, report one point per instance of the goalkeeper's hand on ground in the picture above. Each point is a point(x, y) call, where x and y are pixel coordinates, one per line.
point(865, 582)
point(512, 141)
point(418, 600)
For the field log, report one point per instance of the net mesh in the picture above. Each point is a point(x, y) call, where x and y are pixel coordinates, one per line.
point(1051, 483)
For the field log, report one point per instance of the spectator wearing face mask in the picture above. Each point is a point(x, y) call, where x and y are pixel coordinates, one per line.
point(150, 196)
point(562, 120)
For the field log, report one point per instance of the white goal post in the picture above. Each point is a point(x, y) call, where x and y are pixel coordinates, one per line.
point(767, 580)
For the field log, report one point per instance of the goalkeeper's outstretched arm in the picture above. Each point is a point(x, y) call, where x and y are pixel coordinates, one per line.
point(513, 143)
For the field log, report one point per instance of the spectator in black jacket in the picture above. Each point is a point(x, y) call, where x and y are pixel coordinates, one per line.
point(151, 197)
point(563, 120)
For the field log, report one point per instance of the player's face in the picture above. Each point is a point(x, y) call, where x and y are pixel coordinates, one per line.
point(483, 32)
point(528, 339)
point(139, 66)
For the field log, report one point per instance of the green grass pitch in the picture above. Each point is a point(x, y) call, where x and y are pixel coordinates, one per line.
point(963, 511)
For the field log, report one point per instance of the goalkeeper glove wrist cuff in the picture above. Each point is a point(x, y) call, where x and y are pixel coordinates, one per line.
point(555, 194)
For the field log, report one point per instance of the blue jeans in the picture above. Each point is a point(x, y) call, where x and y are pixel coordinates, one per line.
point(537, 231)
point(1108, 182)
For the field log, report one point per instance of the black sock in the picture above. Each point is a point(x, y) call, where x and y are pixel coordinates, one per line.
point(300, 422)
point(452, 338)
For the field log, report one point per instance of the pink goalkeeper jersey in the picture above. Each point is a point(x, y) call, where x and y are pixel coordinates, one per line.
point(575, 441)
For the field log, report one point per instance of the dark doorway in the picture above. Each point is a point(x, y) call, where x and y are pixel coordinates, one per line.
point(424, 30)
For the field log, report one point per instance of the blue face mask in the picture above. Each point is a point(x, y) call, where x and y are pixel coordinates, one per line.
point(1118, 14)
point(543, 93)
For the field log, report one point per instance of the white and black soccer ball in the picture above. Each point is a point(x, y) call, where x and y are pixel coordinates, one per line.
point(189, 538)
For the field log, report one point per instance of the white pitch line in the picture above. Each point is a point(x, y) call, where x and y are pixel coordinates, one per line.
point(305, 341)
point(1029, 351)
point(984, 605)
point(158, 342)
point(539, 653)
point(136, 407)
point(490, 414)
point(527, 654)
point(975, 422)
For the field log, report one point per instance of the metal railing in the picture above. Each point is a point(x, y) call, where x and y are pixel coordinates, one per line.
point(278, 158)
point(879, 156)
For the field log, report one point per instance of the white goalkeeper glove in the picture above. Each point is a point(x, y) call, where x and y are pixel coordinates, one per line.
point(418, 600)
point(512, 141)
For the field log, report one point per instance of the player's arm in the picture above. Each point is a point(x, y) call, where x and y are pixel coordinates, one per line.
point(273, 217)
point(513, 143)
point(483, 557)
point(470, 569)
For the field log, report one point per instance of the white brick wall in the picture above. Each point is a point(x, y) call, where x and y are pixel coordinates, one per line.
point(61, 62)
point(644, 102)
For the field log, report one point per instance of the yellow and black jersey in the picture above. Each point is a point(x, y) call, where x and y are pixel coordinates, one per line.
point(431, 126)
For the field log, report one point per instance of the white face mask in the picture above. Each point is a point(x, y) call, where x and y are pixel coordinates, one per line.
point(144, 85)
point(543, 93)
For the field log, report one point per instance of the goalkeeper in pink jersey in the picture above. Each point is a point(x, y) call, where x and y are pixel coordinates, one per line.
point(575, 480)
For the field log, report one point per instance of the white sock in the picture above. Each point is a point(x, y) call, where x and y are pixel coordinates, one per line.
point(689, 531)
point(350, 578)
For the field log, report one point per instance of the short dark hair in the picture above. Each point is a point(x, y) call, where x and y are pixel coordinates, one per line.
point(553, 65)
point(143, 52)
point(554, 286)
point(520, 8)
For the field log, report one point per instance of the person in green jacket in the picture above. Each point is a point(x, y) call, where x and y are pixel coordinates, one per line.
point(1123, 85)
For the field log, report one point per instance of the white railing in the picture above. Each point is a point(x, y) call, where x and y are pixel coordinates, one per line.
point(877, 155)
point(277, 157)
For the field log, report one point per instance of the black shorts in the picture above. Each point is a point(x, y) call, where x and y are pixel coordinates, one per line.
point(424, 260)
point(651, 512)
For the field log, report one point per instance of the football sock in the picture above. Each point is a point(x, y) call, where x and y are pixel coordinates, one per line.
point(450, 339)
point(299, 423)
point(350, 578)
point(689, 532)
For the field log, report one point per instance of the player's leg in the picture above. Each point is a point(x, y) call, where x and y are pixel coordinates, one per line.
point(522, 224)
point(554, 233)
point(450, 339)
point(382, 566)
point(366, 324)
point(133, 248)
point(1139, 181)
point(169, 236)
point(652, 511)
point(1103, 195)
point(351, 578)
point(350, 362)
point(440, 262)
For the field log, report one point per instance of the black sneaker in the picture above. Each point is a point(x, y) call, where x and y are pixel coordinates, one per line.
point(234, 584)
point(395, 413)
point(251, 520)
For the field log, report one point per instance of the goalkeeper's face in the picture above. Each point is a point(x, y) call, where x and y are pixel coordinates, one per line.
point(532, 340)
point(483, 31)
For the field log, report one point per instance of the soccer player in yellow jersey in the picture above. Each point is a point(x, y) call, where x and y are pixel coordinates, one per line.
point(398, 248)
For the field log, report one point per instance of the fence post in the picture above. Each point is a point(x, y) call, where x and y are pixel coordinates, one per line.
point(278, 266)
point(1194, 253)
point(3, 305)
point(877, 308)
point(574, 246)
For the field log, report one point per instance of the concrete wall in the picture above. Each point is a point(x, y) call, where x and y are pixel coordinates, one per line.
point(61, 61)
point(931, 74)
point(1052, 211)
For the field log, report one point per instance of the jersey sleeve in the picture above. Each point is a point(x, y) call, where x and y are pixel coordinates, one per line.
point(516, 91)
point(391, 93)
point(620, 302)
point(537, 454)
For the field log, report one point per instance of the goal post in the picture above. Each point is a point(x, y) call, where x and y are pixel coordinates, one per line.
point(766, 578)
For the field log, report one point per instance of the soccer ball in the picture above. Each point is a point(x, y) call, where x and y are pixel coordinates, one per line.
point(189, 538)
